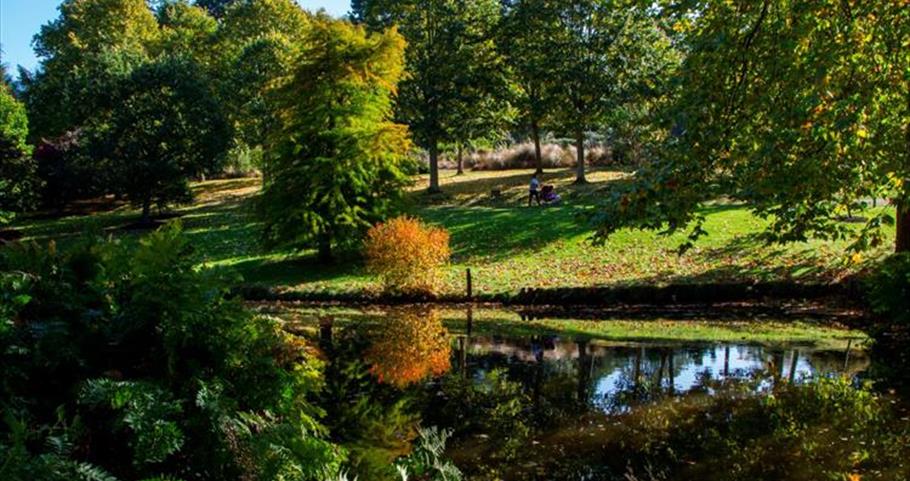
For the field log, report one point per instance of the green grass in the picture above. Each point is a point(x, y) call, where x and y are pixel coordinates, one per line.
point(507, 245)
point(811, 334)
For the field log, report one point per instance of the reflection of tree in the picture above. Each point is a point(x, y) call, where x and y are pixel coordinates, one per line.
point(411, 346)
point(375, 423)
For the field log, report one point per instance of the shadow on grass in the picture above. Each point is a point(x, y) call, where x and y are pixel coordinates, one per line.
point(295, 269)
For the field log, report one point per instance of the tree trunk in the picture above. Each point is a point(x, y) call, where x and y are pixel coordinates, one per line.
point(434, 168)
point(580, 168)
point(538, 157)
point(325, 248)
point(460, 161)
point(903, 227)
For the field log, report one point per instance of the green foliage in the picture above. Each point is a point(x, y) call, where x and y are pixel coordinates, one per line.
point(187, 30)
point(256, 44)
point(799, 109)
point(83, 52)
point(150, 369)
point(455, 72)
point(496, 406)
point(167, 129)
point(337, 163)
point(145, 410)
point(18, 181)
point(427, 461)
point(889, 289)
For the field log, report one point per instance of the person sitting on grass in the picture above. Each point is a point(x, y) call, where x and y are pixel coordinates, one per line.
point(549, 195)
point(535, 190)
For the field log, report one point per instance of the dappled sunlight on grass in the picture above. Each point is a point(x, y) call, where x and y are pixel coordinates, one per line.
point(508, 245)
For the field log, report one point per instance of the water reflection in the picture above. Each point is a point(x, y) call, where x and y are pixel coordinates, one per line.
point(530, 397)
point(411, 346)
point(612, 378)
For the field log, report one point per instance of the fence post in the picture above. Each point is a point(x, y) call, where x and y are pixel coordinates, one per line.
point(470, 287)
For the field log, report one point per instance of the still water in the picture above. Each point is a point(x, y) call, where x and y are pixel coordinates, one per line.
point(526, 402)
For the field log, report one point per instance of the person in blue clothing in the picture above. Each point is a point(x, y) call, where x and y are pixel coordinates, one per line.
point(535, 190)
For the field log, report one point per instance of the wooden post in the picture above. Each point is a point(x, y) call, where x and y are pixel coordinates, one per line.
point(847, 354)
point(470, 287)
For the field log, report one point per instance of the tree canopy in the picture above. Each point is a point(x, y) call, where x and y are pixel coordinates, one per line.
point(800, 109)
point(167, 129)
point(451, 63)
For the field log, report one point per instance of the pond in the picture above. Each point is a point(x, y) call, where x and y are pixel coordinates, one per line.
point(530, 397)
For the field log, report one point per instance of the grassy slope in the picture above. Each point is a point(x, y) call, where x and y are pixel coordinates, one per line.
point(507, 244)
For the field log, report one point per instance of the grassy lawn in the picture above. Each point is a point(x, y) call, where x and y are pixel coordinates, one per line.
point(507, 245)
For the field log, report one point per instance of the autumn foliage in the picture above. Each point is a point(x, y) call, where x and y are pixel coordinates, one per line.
point(411, 347)
point(407, 255)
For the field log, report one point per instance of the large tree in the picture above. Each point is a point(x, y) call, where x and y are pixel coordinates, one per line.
point(167, 129)
point(525, 38)
point(257, 42)
point(606, 50)
point(801, 109)
point(337, 161)
point(450, 44)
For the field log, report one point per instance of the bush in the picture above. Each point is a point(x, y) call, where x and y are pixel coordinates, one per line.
point(407, 255)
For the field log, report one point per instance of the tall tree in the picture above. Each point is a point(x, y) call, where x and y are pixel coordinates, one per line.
point(338, 161)
point(800, 109)
point(168, 129)
point(448, 44)
point(256, 43)
point(602, 45)
point(526, 40)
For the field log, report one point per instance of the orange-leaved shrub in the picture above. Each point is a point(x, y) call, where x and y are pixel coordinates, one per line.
point(407, 255)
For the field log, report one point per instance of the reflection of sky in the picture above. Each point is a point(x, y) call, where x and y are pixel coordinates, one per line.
point(612, 380)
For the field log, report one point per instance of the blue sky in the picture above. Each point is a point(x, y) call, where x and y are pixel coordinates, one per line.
point(20, 20)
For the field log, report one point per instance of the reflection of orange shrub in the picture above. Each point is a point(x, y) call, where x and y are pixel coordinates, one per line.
point(411, 346)
point(407, 255)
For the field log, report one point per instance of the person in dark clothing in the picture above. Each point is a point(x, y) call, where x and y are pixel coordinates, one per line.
point(535, 190)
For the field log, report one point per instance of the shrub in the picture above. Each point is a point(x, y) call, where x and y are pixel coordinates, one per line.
point(147, 369)
point(407, 255)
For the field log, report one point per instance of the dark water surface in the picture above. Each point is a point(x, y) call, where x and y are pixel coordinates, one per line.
point(525, 403)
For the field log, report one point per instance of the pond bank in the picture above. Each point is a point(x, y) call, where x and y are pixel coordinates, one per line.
point(842, 300)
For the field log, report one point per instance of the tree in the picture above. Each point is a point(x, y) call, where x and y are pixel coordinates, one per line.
point(167, 129)
point(449, 44)
point(82, 52)
point(217, 8)
point(257, 43)
point(603, 46)
point(338, 161)
point(188, 31)
point(801, 110)
point(18, 182)
point(526, 40)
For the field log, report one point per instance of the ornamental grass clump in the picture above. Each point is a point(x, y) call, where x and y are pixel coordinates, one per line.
point(407, 255)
